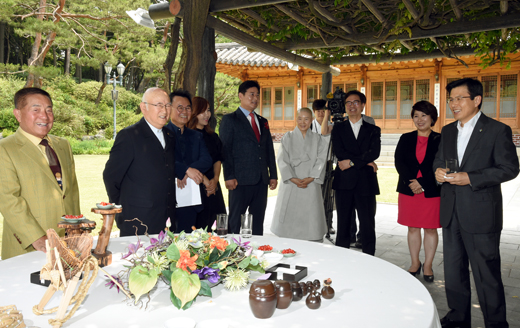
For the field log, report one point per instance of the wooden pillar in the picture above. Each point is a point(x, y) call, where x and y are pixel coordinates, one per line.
point(326, 84)
point(208, 69)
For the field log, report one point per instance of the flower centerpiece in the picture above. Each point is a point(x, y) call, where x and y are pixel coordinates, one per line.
point(190, 264)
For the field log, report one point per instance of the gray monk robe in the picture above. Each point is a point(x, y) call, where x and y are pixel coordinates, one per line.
point(299, 212)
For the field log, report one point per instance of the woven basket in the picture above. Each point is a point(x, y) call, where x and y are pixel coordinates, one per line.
point(73, 251)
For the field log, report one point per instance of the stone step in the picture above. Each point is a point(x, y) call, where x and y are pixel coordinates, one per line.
point(385, 159)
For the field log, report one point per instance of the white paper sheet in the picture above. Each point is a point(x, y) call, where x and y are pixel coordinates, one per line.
point(189, 195)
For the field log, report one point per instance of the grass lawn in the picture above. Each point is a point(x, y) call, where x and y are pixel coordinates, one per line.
point(89, 169)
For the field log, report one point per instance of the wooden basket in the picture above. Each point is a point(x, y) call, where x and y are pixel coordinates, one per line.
point(73, 251)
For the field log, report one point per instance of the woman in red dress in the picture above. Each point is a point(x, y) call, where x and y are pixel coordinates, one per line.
point(419, 200)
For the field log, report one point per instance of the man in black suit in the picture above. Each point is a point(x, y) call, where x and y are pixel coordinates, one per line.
point(471, 204)
point(357, 144)
point(140, 172)
point(249, 161)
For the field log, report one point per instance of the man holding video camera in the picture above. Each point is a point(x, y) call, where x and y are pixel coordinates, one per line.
point(357, 145)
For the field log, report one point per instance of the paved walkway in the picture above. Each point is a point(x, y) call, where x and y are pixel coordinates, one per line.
point(391, 245)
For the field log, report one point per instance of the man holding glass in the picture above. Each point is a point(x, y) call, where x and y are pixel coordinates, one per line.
point(471, 204)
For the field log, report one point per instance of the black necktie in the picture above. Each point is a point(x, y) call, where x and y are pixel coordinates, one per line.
point(54, 163)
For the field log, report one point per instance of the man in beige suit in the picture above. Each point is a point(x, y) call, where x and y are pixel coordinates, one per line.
point(37, 176)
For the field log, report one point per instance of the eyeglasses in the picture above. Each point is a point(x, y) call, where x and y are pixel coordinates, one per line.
point(181, 109)
point(456, 99)
point(355, 103)
point(161, 106)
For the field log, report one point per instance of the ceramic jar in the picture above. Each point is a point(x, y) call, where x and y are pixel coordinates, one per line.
point(313, 301)
point(284, 294)
point(296, 291)
point(304, 288)
point(327, 292)
point(262, 298)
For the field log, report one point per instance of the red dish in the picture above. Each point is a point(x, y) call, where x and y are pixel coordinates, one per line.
point(265, 248)
point(288, 251)
point(105, 204)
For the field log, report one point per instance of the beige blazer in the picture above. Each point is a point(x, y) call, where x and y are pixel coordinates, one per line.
point(31, 200)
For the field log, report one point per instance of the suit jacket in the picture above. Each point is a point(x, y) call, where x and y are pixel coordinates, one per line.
point(140, 175)
point(408, 166)
point(196, 154)
point(246, 159)
point(363, 150)
point(490, 159)
point(31, 200)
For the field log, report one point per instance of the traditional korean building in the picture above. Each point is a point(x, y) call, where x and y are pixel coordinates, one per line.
point(391, 87)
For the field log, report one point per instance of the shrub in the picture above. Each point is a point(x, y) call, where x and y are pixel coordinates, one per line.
point(7, 120)
point(90, 147)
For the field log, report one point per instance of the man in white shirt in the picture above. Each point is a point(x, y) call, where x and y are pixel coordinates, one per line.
point(471, 204)
point(357, 145)
point(140, 172)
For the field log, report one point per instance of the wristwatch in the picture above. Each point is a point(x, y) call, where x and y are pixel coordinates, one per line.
point(351, 163)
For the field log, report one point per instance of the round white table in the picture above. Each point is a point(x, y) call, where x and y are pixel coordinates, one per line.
point(370, 292)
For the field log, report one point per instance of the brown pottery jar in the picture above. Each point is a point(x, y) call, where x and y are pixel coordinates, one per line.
point(262, 298)
point(296, 291)
point(304, 288)
point(284, 294)
point(313, 301)
point(327, 292)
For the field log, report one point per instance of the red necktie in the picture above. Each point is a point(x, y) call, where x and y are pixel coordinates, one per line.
point(255, 127)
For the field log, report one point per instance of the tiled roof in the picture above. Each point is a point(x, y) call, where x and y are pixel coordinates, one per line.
point(236, 54)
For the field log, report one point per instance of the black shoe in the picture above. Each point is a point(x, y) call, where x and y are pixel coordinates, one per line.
point(332, 231)
point(358, 245)
point(447, 323)
point(428, 278)
point(416, 272)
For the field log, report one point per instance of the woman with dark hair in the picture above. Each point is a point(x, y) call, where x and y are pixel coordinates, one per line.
point(419, 200)
point(212, 199)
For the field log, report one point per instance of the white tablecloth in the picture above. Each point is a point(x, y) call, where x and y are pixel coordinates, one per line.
point(370, 292)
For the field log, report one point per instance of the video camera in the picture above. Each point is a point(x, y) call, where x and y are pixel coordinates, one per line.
point(336, 104)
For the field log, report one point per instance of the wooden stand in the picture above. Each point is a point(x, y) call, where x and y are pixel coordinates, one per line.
point(84, 226)
point(101, 253)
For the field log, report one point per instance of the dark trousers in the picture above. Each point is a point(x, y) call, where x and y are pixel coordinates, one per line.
point(244, 197)
point(186, 218)
point(482, 251)
point(354, 228)
point(346, 201)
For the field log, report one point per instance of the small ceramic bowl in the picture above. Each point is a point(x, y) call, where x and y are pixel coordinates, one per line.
point(72, 220)
point(289, 254)
point(273, 257)
point(105, 207)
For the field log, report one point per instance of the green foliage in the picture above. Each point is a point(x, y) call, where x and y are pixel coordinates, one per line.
point(90, 147)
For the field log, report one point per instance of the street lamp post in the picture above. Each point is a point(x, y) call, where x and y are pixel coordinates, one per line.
point(120, 71)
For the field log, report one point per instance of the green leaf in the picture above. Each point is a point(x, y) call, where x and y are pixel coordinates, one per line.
point(177, 302)
point(254, 261)
point(257, 267)
point(244, 263)
point(141, 281)
point(171, 235)
point(225, 254)
point(150, 259)
point(185, 286)
point(213, 256)
point(167, 275)
point(173, 252)
point(205, 289)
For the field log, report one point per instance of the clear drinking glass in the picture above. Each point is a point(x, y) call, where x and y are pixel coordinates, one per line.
point(246, 230)
point(222, 225)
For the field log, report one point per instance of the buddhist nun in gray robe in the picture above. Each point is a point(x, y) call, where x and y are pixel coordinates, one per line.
point(299, 212)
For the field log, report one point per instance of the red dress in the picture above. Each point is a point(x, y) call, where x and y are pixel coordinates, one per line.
point(418, 211)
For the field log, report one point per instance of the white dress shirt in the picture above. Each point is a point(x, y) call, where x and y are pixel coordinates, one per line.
point(158, 133)
point(464, 135)
point(356, 126)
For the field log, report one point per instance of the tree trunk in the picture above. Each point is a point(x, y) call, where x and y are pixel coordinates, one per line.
point(2, 42)
point(172, 53)
point(179, 76)
point(67, 62)
point(54, 59)
point(100, 93)
point(101, 78)
point(194, 22)
point(37, 55)
point(206, 84)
